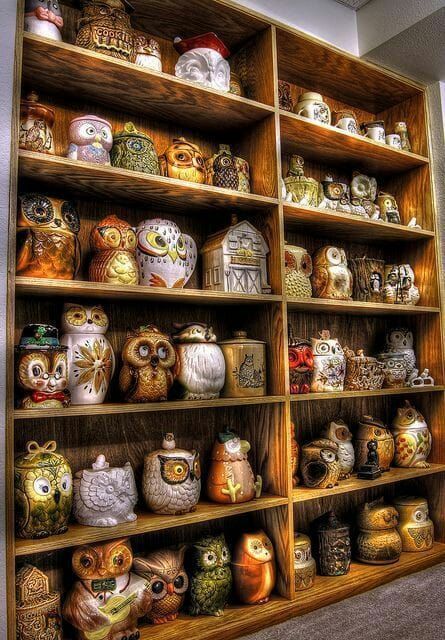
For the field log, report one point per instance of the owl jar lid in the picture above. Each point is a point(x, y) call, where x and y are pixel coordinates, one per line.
point(130, 131)
point(240, 337)
point(301, 541)
point(205, 41)
point(40, 336)
point(168, 448)
point(99, 465)
point(410, 501)
point(90, 117)
point(32, 106)
point(329, 522)
point(39, 456)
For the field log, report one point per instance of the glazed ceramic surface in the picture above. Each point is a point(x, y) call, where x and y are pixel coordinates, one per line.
point(38, 611)
point(415, 526)
point(311, 105)
point(412, 438)
point(333, 545)
point(368, 275)
point(298, 271)
point(345, 120)
point(253, 568)
point(335, 195)
point(211, 576)
point(319, 465)
point(183, 160)
point(375, 130)
point(329, 363)
point(338, 431)
point(104, 26)
point(245, 370)
point(378, 541)
point(304, 191)
point(402, 129)
point(284, 96)
point(389, 210)
point(228, 171)
point(401, 340)
point(301, 364)
point(147, 52)
point(399, 285)
point(363, 372)
point(134, 150)
point(393, 140)
point(370, 428)
point(363, 195)
point(36, 122)
point(395, 369)
point(304, 564)
point(90, 139)
point(202, 60)
point(44, 18)
point(331, 277)
point(113, 243)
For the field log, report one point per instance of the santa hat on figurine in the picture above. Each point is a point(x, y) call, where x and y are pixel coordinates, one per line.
point(202, 60)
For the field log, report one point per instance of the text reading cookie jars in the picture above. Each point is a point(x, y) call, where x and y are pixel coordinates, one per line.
point(104, 26)
point(301, 363)
point(47, 242)
point(36, 122)
point(298, 271)
point(230, 478)
point(245, 371)
point(227, 171)
point(304, 564)
point(41, 369)
point(378, 541)
point(370, 428)
point(333, 545)
point(91, 358)
point(320, 467)
point(166, 257)
point(412, 438)
point(171, 482)
point(104, 496)
point(107, 599)
point(147, 52)
point(329, 363)
point(38, 611)
point(148, 357)
point(338, 431)
point(183, 160)
point(415, 526)
point(253, 568)
point(134, 150)
point(203, 60)
point(210, 576)
point(43, 491)
point(90, 139)
point(113, 243)
point(331, 277)
point(44, 18)
point(310, 105)
point(304, 191)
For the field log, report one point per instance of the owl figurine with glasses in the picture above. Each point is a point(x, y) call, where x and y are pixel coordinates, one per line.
point(113, 243)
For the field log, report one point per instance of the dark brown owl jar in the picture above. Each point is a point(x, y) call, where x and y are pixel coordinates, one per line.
point(333, 545)
point(228, 171)
point(36, 122)
point(245, 366)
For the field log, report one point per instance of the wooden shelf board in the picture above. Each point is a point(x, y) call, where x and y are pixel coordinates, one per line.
point(329, 145)
point(78, 534)
point(320, 305)
point(133, 89)
point(305, 494)
point(332, 223)
point(339, 395)
point(111, 183)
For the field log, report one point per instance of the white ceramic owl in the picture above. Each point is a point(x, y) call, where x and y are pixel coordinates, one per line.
point(298, 268)
point(91, 139)
point(329, 363)
point(104, 496)
point(91, 359)
point(202, 60)
point(400, 340)
point(331, 277)
point(165, 256)
point(338, 432)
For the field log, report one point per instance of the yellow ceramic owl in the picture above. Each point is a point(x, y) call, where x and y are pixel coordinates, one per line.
point(378, 541)
point(113, 242)
point(331, 277)
point(415, 527)
point(320, 467)
point(184, 161)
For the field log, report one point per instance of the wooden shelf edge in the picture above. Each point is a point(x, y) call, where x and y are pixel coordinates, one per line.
point(316, 305)
point(339, 395)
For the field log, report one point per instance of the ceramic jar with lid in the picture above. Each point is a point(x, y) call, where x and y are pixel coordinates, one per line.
point(134, 150)
point(412, 438)
point(362, 372)
point(38, 611)
point(303, 190)
point(415, 526)
point(104, 27)
point(345, 119)
point(304, 563)
point(374, 130)
point(147, 51)
point(333, 545)
point(370, 428)
point(203, 59)
point(395, 369)
point(228, 171)
point(310, 105)
point(378, 541)
point(36, 122)
point(245, 366)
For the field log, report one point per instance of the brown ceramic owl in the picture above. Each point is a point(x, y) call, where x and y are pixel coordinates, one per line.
point(378, 541)
point(165, 573)
point(320, 467)
point(104, 26)
point(113, 242)
point(183, 160)
point(230, 478)
point(222, 170)
point(253, 568)
point(331, 277)
point(148, 357)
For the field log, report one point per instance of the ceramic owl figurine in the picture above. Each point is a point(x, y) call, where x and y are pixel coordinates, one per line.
point(378, 541)
point(104, 26)
point(253, 568)
point(113, 244)
point(389, 210)
point(399, 287)
point(200, 366)
point(320, 467)
point(203, 60)
point(148, 357)
point(134, 150)
point(47, 242)
point(373, 429)
point(230, 477)
point(166, 257)
point(164, 571)
point(222, 170)
point(91, 140)
point(412, 438)
point(38, 612)
point(148, 52)
point(298, 271)
point(171, 482)
point(44, 18)
point(301, 364)
point(43, 491)
point(210, 576)
point(415, 526)
point(91, 358)
point(184, 161)
point(401, 340)
point(337, 431)
point(104, 496)
point(107, 599)
point(329, 363)
point(304, 564)
point(331, 277)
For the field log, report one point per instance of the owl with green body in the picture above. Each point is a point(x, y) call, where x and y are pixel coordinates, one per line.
point(210, 576)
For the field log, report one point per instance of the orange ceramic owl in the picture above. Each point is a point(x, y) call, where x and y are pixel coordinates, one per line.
point(113, 242)
point(253, 568)
point(47, 243)
point(230, 478)
point(107, 600)
point(184, 161)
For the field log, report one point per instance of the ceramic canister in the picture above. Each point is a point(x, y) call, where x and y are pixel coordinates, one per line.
point(415, 526)
point(311, 105)
point(134, 150)
point(38, 611)
point(245, 366)
point(378, 541)
point(304, 563)
point(36, 121)
point(333, 545)
point(393, 140)
point(370, 428)
point(395, 369)
point(375, 130)
point(345, 120)
point(412, 438)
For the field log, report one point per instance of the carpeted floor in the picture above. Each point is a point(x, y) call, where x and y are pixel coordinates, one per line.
point(411, 608)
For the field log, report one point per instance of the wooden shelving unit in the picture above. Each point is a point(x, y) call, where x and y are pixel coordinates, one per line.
point(76, 81)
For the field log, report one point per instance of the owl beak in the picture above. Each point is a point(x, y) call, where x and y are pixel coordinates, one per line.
point(170, 588)
point(56, 496)
point(173, 254)
point(244, 446)
point(97, 138)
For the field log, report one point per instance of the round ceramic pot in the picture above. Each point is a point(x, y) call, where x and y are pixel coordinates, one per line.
point(304, 563)
point(345, 120)
point(245, 366)
point(378, 541)
point(134, 150)
point(415, 526)
point(90, 139)
point(36, 122)
point(311, 105)
point(105, 27)
point(395, 369)
point(412, 438)
point(228, 171)
point(374, 130)
point(370, 428)
point(148, 52)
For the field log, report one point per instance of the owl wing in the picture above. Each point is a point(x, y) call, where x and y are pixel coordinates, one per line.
point(154, 486)
point(205, 591)
point(126, 379)
point(320, 279)
point(81, 610)
point(24, 255)
point(72, 151)
point(93, 490)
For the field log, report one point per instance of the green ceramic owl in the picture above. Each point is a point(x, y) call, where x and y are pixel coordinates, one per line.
point(43, 488)
point(211, 576)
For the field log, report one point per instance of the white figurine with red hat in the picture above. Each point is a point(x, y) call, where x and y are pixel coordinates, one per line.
point(203, 60)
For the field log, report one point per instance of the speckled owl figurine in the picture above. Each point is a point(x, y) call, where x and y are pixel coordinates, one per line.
point(331, 277)
point(47, 242)
point(338, 431)
point(91, 358)
point(378, 541)
point(107, 599)
point(415, 526)
point(304, 564)
point(298, 271)
point(210, 576)
point(113, 243)
point(320, 467)
point(166, 257)
point(412, 438)
point(183, 160)
point(104, 496)
point(43, 491)
point(230, 477)
point(329, 363)
point(91, 140)
point(44, 18)
point(147, 360)
point(171, 482)
point(253, 568)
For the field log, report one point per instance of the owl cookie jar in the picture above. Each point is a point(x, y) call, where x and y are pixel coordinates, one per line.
point(104, 27)
point(47, 242)
point(113, 243)
point(107, 599)
point(401, 340)
point(399, 287)
point(378, 541)
point(227, 171)
point(90, 139)
point(183, 160)
point(338, 431)
point(44, 18)
point(166, 257)
point(245, 371)
point(43, 491)
point(310, 105)
point(203, 60)
point(412, 438)
point(333, 545)
point(304, 564)
point(171, 482)
point(329, 364)
point(41, 369)
point(301, 363)
point(36, 122)
point(230, 477)
point(134, 150)
point(148, 52)
point(302, 190)
point(253, 568)
point(415, 526)
point(320, 466)
point(298, 270)
point(370, 428)
point(91, 358)
point(38, 611)
point(331, 277)
point(104, 496)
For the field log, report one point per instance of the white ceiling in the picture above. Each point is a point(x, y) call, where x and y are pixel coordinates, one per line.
point(353, 4)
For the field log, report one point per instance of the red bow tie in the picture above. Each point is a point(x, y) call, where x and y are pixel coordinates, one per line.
point(41, 396)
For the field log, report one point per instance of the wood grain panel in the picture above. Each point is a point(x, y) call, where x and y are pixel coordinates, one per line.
point(310, 397)
point(315, 305)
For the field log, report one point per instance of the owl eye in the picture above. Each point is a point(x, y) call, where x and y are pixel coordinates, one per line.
point(180, 248)
point(70, 216)
point(162, 352)
point(418, 516)
point(118, 560)
point(59, 372)
point(197, 469)
point(104, 133)
point(410, 415)
point(38, 209)
point(143, 350)
point(179, 469)
point(323, 348)
point(306, 264)
point(179, 582)
point(224, 553)
point(377, 432)
point(157, 587)
point(86, 562)
point(298, 555)
point(112, 237)
point(130, 240)
point(327, 456)
point(91, 131)
point(155, 244)
point(77, 316)
point(37, 371)
point(42, 486)
point(99, 317)
point(65, 482)
point(209, 558)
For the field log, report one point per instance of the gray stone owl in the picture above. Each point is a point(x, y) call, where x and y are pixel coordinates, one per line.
point(171, 482)
point(104, 496)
